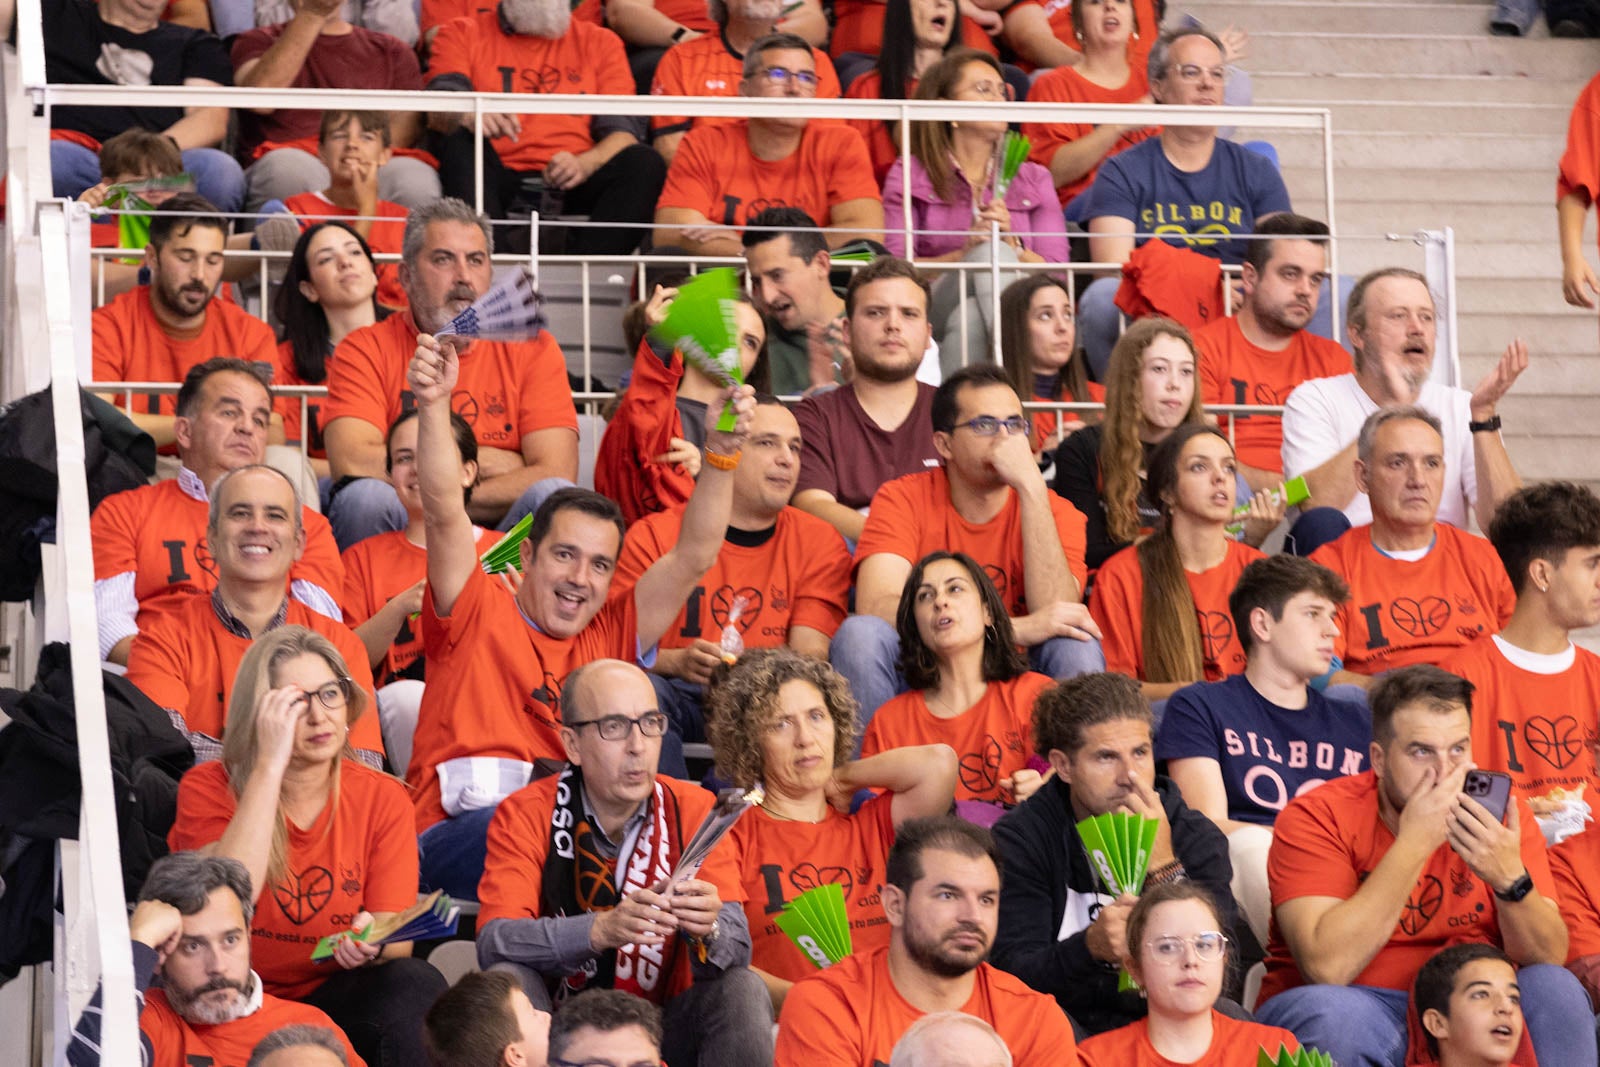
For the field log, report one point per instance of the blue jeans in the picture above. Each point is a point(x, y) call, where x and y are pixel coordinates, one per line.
point(367, 506)
point(866, 651)
point(1314, 528)
point(452, 852)
point(1365, 1026)
point(217, 176)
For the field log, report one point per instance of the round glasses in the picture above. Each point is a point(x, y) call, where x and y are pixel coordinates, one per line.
point(1208, 947)
point(334, 695)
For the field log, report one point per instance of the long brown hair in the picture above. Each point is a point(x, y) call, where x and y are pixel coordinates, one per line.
point(1001, 660)
point(256, 676)
point(1016, 343)
point(1170, 631)
point(1121, 448)
point(930, 141)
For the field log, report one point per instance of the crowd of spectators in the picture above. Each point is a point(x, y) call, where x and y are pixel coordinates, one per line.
point(936, 628)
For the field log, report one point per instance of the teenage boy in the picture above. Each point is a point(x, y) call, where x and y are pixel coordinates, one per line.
point(1470, 1007)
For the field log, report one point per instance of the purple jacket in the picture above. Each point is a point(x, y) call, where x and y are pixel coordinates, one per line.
point(1035, 212)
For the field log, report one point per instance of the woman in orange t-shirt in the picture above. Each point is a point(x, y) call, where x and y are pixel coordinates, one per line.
point(1162, 605)
point(1039, 347)
point(329, 843)
point(970, 687)
point(330, 291)
point(789, 722)
point(1177, 951)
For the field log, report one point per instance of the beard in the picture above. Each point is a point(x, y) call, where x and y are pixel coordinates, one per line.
point(1285, 318)
point(936, 957)
point(194, 1006)
point(185, 300)
point(885, 372)
point(760, 10)
point(537, 18)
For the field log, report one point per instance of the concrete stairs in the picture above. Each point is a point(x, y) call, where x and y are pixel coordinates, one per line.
point(1437, 123)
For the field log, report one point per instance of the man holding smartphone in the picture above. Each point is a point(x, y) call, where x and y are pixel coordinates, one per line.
point(1374, 873)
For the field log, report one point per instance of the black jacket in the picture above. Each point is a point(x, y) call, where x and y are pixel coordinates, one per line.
point(1047, 872)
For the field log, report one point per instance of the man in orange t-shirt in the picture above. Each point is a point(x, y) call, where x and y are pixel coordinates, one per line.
point(722, 176)
point(191, 929)
point(1419, 588)
point(589, 165)
point(1540, 691)
point(782, 576)
point(1374, 873)
point(150, 549)
point(496, 666)
point(156, 332)
point(990, 501)
point(1263, 351)
point(712, 64)
point(514, 395)
point(942, 897)
point(572, 895)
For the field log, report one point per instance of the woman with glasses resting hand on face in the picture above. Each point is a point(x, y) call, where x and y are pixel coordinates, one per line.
point(954, 169)
point(330, 843)
point(789, 722)
point(1177, 952)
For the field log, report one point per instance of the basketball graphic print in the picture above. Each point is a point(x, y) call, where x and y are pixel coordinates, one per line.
point(1557, 741)
point(722, 602)
point(302, 896)
point(1216, 632)
point(980, 770)
point(1420, 618)
point(810, 876)
point(1422, 906)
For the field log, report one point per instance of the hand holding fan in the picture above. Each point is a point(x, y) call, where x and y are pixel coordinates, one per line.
point(137, 199)
point(1292, 492)
point(509, 310)
point(1306, 1057)
point(432, 918)
point(1014, 150)
point(1118, 845)
point(702, 324)
point(816, 921)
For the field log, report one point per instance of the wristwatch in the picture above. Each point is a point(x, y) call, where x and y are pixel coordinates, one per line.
point(1489, 425)
point(1516, 890)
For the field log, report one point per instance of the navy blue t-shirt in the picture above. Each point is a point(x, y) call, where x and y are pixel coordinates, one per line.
point(1269, 755)
point(1201, 211)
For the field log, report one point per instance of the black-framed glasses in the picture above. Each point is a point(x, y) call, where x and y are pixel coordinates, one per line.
point(616, 727)
point(989, 426)
point(1208, 947)
point(334, 695)
point(605, 1063)
point(806, 79)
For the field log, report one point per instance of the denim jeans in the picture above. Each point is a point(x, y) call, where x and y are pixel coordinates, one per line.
point(452, 851)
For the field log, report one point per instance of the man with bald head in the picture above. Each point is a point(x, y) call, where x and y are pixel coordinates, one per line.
point(573, 895)
point(950, 1039)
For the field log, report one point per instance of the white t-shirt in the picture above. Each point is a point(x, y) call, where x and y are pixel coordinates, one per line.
point(1324, 415)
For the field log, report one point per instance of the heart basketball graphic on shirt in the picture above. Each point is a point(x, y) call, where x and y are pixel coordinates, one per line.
point(1266, 394)
point(1216, 630)
point(1556, 741)
point(301, 896)
point(998, 577)
point(1420, 618)
point(722, 602)
point(1422, 906)
point(809, 876)
point(980, 770)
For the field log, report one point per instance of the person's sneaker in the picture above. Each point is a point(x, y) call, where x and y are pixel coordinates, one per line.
point(1571, 28)
point(277, 233)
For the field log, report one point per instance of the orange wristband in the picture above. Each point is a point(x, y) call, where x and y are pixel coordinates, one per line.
point(721, 462)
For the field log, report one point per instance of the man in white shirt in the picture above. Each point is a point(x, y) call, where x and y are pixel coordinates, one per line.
point(1392, 331)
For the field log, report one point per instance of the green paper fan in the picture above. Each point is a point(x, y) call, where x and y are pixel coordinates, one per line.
point(1292, 492)
point(702, 324)
point(1014, 151)
point(818, 924)
point(1306, 1057)
point(1118, 845)
point(506, 553)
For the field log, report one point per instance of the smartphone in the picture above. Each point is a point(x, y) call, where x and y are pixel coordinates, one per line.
point(1491, 789)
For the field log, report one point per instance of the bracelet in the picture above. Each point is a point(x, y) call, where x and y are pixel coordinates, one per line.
point(722, 462)
point(1172, 872)
point(678, 34)
point(1489, 425)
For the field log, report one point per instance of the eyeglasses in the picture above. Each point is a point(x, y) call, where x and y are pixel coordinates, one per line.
point(604, 1063)
point(988, 90)
point(806, 79)
point(616, 727)
point(1193, 72)
point(334, 695)
point(1208, 947)
point(989, 426)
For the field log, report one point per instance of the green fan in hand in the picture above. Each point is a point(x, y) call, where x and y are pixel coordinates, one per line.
point(1014, 150)
point(817, 923)
point(702, 324)
point(1306, 1057)
point(1119, 845)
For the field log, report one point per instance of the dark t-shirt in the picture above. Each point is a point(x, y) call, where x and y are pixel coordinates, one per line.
point(845, 453)
point(1268, 754)
point(1202, 211)
point(82, 49)
point(1078, 479)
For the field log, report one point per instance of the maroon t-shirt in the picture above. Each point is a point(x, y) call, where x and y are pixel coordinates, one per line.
point(360, 59)
point(845, 453)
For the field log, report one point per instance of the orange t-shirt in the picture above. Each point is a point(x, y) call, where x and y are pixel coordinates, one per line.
point(130, 344)
point(1044, 422)
point(1065, 85)
point(883, 147)
point(1580, 162)
point(646, 421)
point(1327, 841)
point(798, 576)
point(1118, 606)
point(158, 532)
point(1234, 371)
point(387, 235)
point(1234, 1043)
point(377, 569)
point(851, 1015)
point(585, 60)
point(1575, 863)
point(858, 27)
point(1538, 728)
point(494, 682)
point(294, 428)
point(779, 860)
point(438, 12)
point(1146, 25)
point(186, 661)
point(176, 1042)
point(362, 856)
point(505, 390)
point(912, 516)
point(708, 66)
point(993, 738)
point(519, 844)
point(715, 174)
point(1401, 613)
